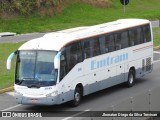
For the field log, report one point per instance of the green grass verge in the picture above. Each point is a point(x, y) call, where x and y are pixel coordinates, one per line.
point(156, 36)
point(80, 14)
point(7, 76)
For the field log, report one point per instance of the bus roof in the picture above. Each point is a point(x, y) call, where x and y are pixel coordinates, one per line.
point(57, 40)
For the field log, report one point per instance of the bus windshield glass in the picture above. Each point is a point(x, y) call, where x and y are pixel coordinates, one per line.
point(36, 68)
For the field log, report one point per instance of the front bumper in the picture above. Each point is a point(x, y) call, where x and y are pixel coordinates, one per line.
point(37, 100)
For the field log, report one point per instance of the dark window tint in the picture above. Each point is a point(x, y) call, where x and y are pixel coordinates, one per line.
point(109, 43)
point(118, 41)
point(87, 49)
point(147, 33)
point(95, 47)
point(139, 35)
point(132, 34)
point(136, 36)
point(73, 54)
point(91, 47)
point(124, 39)
point(63, 66)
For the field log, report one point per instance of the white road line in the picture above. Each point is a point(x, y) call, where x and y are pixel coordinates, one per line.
point(10, 93)
point(156, 61)
point(7, 109)
point(67, 118)
point(156, 52)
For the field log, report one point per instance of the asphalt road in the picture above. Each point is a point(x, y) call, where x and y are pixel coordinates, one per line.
point(95, 102)
point(21, 37)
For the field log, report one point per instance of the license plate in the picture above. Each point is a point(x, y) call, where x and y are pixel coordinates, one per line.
point(34, 100)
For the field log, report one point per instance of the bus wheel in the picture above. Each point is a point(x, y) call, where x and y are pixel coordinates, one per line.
point(131, 78)
point(77, 97)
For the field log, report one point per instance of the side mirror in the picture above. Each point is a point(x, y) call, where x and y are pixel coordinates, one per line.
point(9, 60)
point(57, 61)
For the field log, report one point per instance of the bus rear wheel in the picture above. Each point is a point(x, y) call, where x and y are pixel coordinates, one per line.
point(131, 78)
point(77, 97)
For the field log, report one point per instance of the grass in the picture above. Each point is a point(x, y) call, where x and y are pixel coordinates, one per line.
point(7, 76)
point(80, 14)
point(156, 36)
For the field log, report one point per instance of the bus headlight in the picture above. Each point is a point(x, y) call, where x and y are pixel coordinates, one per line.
point(55, 93)
point(17, 93)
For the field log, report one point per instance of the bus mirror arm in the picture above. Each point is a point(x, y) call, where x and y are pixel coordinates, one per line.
point(9, 60)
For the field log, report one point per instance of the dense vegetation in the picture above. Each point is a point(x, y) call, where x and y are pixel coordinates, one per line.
point(74, 13)
point(27, 7)
point(42, 7)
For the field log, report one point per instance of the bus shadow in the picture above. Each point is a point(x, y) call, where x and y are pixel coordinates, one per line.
point(110, 90)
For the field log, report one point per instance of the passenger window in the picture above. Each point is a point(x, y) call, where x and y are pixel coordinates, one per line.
point(102, 44)
point(118, 41)
point(63, 66)
point(91, 47)
point(136, 36)
point(87, 49)
point(147, 33)
point(124, 39)
point(74, 54)
point(95, 47)
point(109, 43)
point(139, 35)
point(132, 33)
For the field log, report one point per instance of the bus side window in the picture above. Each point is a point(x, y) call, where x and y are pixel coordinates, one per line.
point(124, 39)
point(73, 55)
point(118, 41)
point(91, 47)
point(109, 43)
point(147, 33)
point(87, 49)
point(63, 66)
point(139, 35)
point(102, 44)
point(131, 37)
point(95, 47)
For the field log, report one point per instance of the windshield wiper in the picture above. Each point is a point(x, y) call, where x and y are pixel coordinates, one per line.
point(33, 86)
point(27, 78)
point(20, 82)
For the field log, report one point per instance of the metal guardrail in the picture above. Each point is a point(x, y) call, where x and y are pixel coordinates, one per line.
point(155, 23)
point(5, 34)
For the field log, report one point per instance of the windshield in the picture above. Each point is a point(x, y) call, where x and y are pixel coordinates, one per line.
point(36, 68)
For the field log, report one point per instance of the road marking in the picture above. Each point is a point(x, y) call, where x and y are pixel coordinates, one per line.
point(156, 61)
point(11, 107)
point(156, 52)
point(10, 93)
point(67, 118)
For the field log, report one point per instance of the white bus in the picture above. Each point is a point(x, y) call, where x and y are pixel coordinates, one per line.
point(69, 64)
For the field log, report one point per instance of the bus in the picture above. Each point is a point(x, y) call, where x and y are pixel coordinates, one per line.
point(66, 65)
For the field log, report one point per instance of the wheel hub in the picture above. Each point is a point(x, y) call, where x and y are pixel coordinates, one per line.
point(77, 96)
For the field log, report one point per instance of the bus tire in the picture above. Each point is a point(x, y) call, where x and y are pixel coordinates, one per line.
point(77, 97)
point(131, 78)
